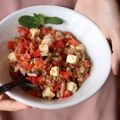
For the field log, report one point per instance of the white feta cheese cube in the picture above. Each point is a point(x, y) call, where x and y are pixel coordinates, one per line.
point(72, 46)
point(12, 57)
point(80, 47)
point(59, 35)
point(48, 93)
point(54, 71)
point(71, 59)
point(43, 47)
point(17, 68)
point(34, 32)
point(44, 53)
point(47, 39)
point(32, 74)
point(71, 86)
point(23, 72)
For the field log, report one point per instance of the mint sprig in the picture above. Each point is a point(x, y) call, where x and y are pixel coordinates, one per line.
point(37, 20)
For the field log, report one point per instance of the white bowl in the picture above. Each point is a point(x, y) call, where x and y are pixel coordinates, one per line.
point(85, 30)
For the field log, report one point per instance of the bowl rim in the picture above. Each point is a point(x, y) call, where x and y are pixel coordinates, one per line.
point(16, 97)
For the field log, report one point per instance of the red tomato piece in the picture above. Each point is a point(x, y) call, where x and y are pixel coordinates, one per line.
point(27, 57)
point(73, 42)
point(31, 66)
point(37, 53)
point(11, 45)
point(44, 30)
point(18, 56)
point(40, 79)
point(55, 88)
point(87, 63)
point(67, 93)
point(21, 48)
point(15, 75)
point(25, 65)
point(23, 31)
point(26, 42)
point(52, 48)
point(39, 62)
point(59, 44)
point(65, 74)
point(52, 32)
point(68, 33)
point(32, 79)
point(36, 80)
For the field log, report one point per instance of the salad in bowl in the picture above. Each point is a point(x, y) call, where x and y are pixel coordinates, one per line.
point(60, 54)
point(53, 62)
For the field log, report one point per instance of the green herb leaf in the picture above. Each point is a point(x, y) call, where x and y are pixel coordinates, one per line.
point(53, 20)
point(28, 21)
point(37, 20)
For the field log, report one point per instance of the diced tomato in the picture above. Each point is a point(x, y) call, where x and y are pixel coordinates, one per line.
point(25, 65)
point(73, 42)
point(15, 75)
point(18, 56)
point(52, 48)
point(32, 79)
point(52, 32)
point(39, 62)
point(87, 63)
point(31, 66)
point(65, 74)
point(23, 31)
point(67, 93)
point(27, 57)
point(40, 79)
point(11, 45)
point(55, 88)
point(26, 42)
point(36, 80)
point(37, 53)
point(59, 44)
point(21, 48)
point(44, 30)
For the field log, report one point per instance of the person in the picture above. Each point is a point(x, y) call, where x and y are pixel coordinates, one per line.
point(101, 106)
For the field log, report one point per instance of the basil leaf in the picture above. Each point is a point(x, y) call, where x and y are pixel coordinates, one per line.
point(28, 21)
point(53, 20)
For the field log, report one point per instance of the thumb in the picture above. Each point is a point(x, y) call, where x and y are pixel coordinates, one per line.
point(11, 105)
point(115, 64)
point(115, 37)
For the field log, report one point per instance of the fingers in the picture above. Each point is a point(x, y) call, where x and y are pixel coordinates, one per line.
point(7, 104)
point(115, 64)
point(115, 37)
point(11, 105)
